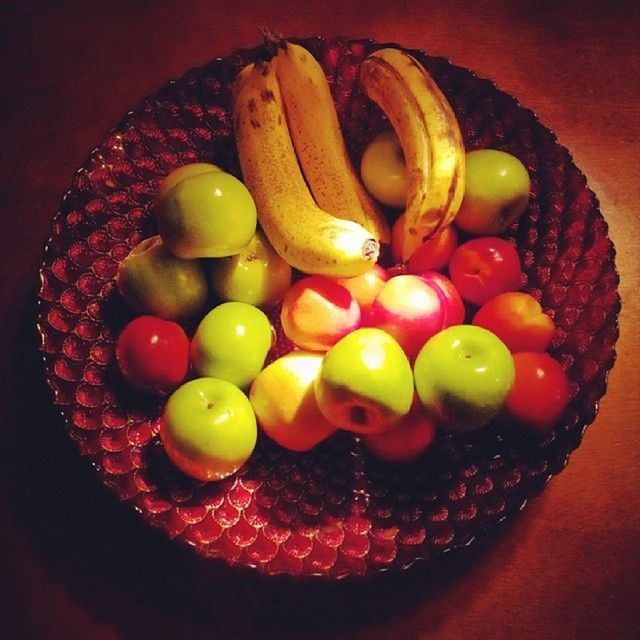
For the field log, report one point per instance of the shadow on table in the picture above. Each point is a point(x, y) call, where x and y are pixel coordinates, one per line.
point(134, 580)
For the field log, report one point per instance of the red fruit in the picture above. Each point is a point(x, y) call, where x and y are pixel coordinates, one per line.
point(153, 354)
point(484, 267)
point(453, 307)
point(405, 441)
point(518, 320)
point(410, 309)
point(434, 254)
point(540, 392)
point(364, 288)
point(317, 311)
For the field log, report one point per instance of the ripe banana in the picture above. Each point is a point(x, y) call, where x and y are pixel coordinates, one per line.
point(306, 236)
point(318, 141)
point(430, 138)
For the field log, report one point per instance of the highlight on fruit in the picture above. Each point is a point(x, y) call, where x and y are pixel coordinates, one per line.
point(305, 297)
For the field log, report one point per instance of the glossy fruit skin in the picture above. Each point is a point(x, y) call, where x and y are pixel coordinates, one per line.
point(462, 376)
point(155, 282)
point(540, 393)
point(207, 215)
point(256, 274)
point(208, 428)
point(364, 288)
point(283, 398)
point(153, 354)
point(483, 267)
point(406, 440)
point(232, 342)
point(518, 320)
point(311, 239)
point(180, 173)
point(434, 254)
point(453, 309)
point(497, 188)
point(365, 383)
point(383, 169)
point(410, 309)
point(317, 311)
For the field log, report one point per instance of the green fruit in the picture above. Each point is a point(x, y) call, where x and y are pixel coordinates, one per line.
point(180, 173)
point(383, 169)
point(232, 342)
point(256, 275)
point(365, 383)
point(208, 428)
point(497, 187)
point(207, 215)
point(154, 281)
point(462, 376)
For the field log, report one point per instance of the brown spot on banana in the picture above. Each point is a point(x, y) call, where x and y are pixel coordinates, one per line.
point(267, 96)
point(416, 106)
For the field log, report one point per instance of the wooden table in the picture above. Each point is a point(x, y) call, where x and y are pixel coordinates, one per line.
point(569, 567)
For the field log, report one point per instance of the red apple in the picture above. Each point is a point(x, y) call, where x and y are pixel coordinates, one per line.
point(484, 267)
point(364, 288)
point(407, 440)
point(317, 311)
point(434, 254)
point(540, 392)
point(153, 354)
point(410, 309)
point(518, 320)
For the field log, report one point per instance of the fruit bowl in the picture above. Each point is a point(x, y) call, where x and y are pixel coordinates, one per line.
point(334, 511)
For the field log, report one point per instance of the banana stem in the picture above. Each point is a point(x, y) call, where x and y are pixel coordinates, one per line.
point(371, 249)
point(272, 41)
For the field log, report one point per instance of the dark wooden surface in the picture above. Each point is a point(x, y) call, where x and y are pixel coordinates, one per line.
point(73, 564)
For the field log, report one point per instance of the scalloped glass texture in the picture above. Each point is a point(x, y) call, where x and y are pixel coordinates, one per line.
point(332, 512)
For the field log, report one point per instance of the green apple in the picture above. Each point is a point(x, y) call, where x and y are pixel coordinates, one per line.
point(207, 215)
point(383, 169)
point(365, 383)
point(180, 173)
point(256, 275)
point(208, 428)
point(232, 342)
point(462, 376)
point(154, 281)
point(283, 398)
point(496, 193)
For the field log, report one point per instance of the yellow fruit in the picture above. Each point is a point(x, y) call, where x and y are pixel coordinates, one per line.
point(307, 237)
point(319, 144)
point(430, 138)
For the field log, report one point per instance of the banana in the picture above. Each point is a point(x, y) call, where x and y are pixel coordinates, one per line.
point(430, 138)
point(307, 237)
point(319, 143)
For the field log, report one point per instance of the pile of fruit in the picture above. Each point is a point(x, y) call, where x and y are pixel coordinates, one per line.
point(393, 284)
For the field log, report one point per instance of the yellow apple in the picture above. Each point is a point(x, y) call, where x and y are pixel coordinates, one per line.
point(283, 398)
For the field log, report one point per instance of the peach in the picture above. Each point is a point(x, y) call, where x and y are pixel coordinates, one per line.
point(407, 440)
point(454, 309)
point(518, 320)
point(483, 267)
point(317, 311)
point(434, 253)
point(410, 309)
point(540, 393)
point(364, 288)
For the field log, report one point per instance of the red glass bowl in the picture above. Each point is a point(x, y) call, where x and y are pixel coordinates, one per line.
point(335, 511)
